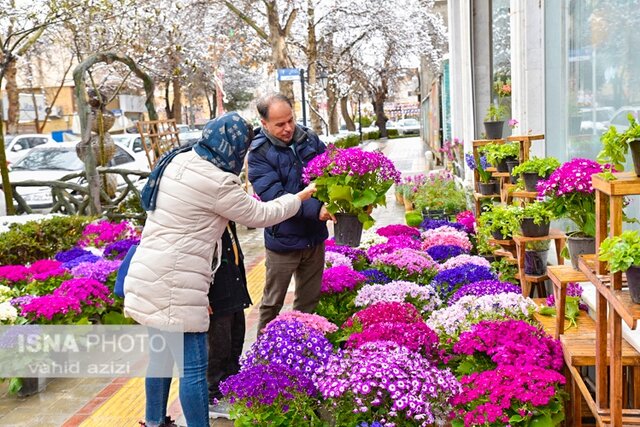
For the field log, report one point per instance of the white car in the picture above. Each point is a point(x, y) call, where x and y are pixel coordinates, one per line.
point(16, 146)
point(408, 126)
point(132, 141)
point(50, 162)
point(188, 135)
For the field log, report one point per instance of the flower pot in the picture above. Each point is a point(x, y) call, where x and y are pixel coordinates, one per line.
point(399, 198)
point(488, 188)
point(493, 130)
point(531, 229)
point(499, 236)
point(510, 165)
point(31, 386)
point(634, 147)
point(348, 230)
point(633, 282)
point(531, 180)
point(434, 214)
point(535, 262)
point(503, 166)
point(578, 246)
point(408, 204)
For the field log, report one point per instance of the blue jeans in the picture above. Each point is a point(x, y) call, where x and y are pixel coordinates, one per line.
point(194, 395)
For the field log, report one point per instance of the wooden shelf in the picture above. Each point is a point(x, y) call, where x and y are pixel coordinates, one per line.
point(625, 184)
point(535, 137)
point(524, 194)
point(553, 234)
point(536, 279)
point(479, 196)
point(500, 174)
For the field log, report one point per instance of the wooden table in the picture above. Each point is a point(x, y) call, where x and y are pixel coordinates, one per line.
point(560, 276)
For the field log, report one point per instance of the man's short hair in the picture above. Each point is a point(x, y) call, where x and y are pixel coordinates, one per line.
point(268, 100)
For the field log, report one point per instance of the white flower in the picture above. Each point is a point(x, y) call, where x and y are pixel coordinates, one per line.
point(8, 313)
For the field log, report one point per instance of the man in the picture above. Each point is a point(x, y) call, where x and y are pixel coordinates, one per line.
point(279, 152)
point(228, 297)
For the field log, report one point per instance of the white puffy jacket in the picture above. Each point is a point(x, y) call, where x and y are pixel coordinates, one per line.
point(170, 273)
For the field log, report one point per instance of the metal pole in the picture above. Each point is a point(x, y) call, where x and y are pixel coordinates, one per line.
point(304, 111)
point(359, 119)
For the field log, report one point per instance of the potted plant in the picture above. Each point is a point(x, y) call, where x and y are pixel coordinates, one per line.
point(536, 169)
point(535, 219)
point(499, 154)
point(569, 194)
point(351, 182)
point(615, 145)
point(501, 221)
point(494, 120)
point(487, 185)
point(623, 254)
point(535, 257)
point(440, 196)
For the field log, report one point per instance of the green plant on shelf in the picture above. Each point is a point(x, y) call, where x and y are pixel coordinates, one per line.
point(621, 252)
point(502, 219)
point(543, 167)
point(495, 112)
point(506, 271)
point(496, 153)
point(615, 145)
point(538, 211)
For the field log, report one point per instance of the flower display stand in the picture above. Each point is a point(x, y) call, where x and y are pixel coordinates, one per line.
point(527, 282)
point(560, 276)
point(613, 306)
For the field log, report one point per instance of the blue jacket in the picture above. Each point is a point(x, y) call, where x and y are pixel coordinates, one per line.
point(274, 170)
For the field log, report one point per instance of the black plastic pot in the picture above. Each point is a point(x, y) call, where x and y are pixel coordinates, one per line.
point(578, 246)
point(499, 236)
point(633, 282)
point(510, 165)
point(634, 147)
point(493, 130)
point(503, 165)
point(531, 180)
point(535, 262)
point(434, 214)
point(531, 229)
point(489, 188)
point(348, 230)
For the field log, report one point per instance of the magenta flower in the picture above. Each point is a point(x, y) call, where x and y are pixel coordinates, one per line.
point(340, 279)
point(416, 337)
point(86, 291)
point(104, 232)
point(10, 274)
point(43, 309)
point(397, 312)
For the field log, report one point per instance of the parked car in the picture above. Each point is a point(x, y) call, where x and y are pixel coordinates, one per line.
point(408, 127)
point(50, 162)
point(595, 118)
point(131, 141)
point(16, 146)
point(188, 135)
point(620, 120)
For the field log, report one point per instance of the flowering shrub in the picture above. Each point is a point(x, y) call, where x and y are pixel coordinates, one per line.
point(465, 259)
point(375, 277)
point(434, 224)
point(570, 194)
point(13, 274)
point(446, 237)
point(118, 249)
point(416, 337)
point(52, 309)
point(99, 270)
point(442, 253)
point(88, 292)
point(484, 287)
point(511, 342)
point(448, 281)
point(71, 254)
point(81, 259)
point(370, 238)
point(272, 394)
point(339, 279)
point(449, 322)
point(357, 256)
point(335, 259)
point(8, 313)
point(104, 232)
point(391, 245)
point(350, 180)
point(312, 321)
point(386, 383)
point(467, 220)
point(399, 230)
point(423, 297)
point(398, 312)
point(292, 344)
point(407, 264)
point(511, 395)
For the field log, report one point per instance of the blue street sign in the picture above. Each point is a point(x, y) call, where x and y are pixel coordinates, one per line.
point(288, 74)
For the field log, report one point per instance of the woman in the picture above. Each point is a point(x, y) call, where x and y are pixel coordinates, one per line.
point(190, 196)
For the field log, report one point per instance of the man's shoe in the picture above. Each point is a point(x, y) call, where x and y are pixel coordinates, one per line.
point(219, 409)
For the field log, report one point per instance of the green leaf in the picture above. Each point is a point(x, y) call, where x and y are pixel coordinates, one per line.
point(340, 192)
point(542, 421)
point(366, 198)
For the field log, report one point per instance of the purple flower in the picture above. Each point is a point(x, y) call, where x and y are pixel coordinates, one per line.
point(484, 287)
point(117, 250)
point(432, 224)
point(442, 253)
point(399, 230)
point(103, 232)
point(71, 254)
point(86, 291)
point(447, 281)
point(13, 273)
point(81, 259)
point(354, 254)
point(44, 308)
point(99, 270)
point(375, 277)
point(339, 279)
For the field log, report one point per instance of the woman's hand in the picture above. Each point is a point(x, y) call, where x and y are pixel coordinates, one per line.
point(307, 192)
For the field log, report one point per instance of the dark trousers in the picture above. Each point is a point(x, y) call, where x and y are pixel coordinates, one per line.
point(306, 266)
point(226, 338)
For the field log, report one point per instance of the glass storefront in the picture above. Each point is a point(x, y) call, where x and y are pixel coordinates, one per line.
point(603, 71)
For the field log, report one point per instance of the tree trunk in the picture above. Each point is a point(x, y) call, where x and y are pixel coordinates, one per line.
point(278, 42)
point(312, 60)
point(167, 103)
point(344, 109)
point(210, 105)
point(379, 96)
point(13, 97)
point(177, 100)
point(332, 102)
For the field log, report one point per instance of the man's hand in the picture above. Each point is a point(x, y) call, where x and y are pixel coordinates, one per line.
point(325, 215)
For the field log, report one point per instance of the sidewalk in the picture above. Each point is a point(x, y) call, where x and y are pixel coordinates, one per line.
point(110, 402)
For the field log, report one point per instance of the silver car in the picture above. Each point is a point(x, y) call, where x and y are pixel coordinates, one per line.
point(408, 127)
